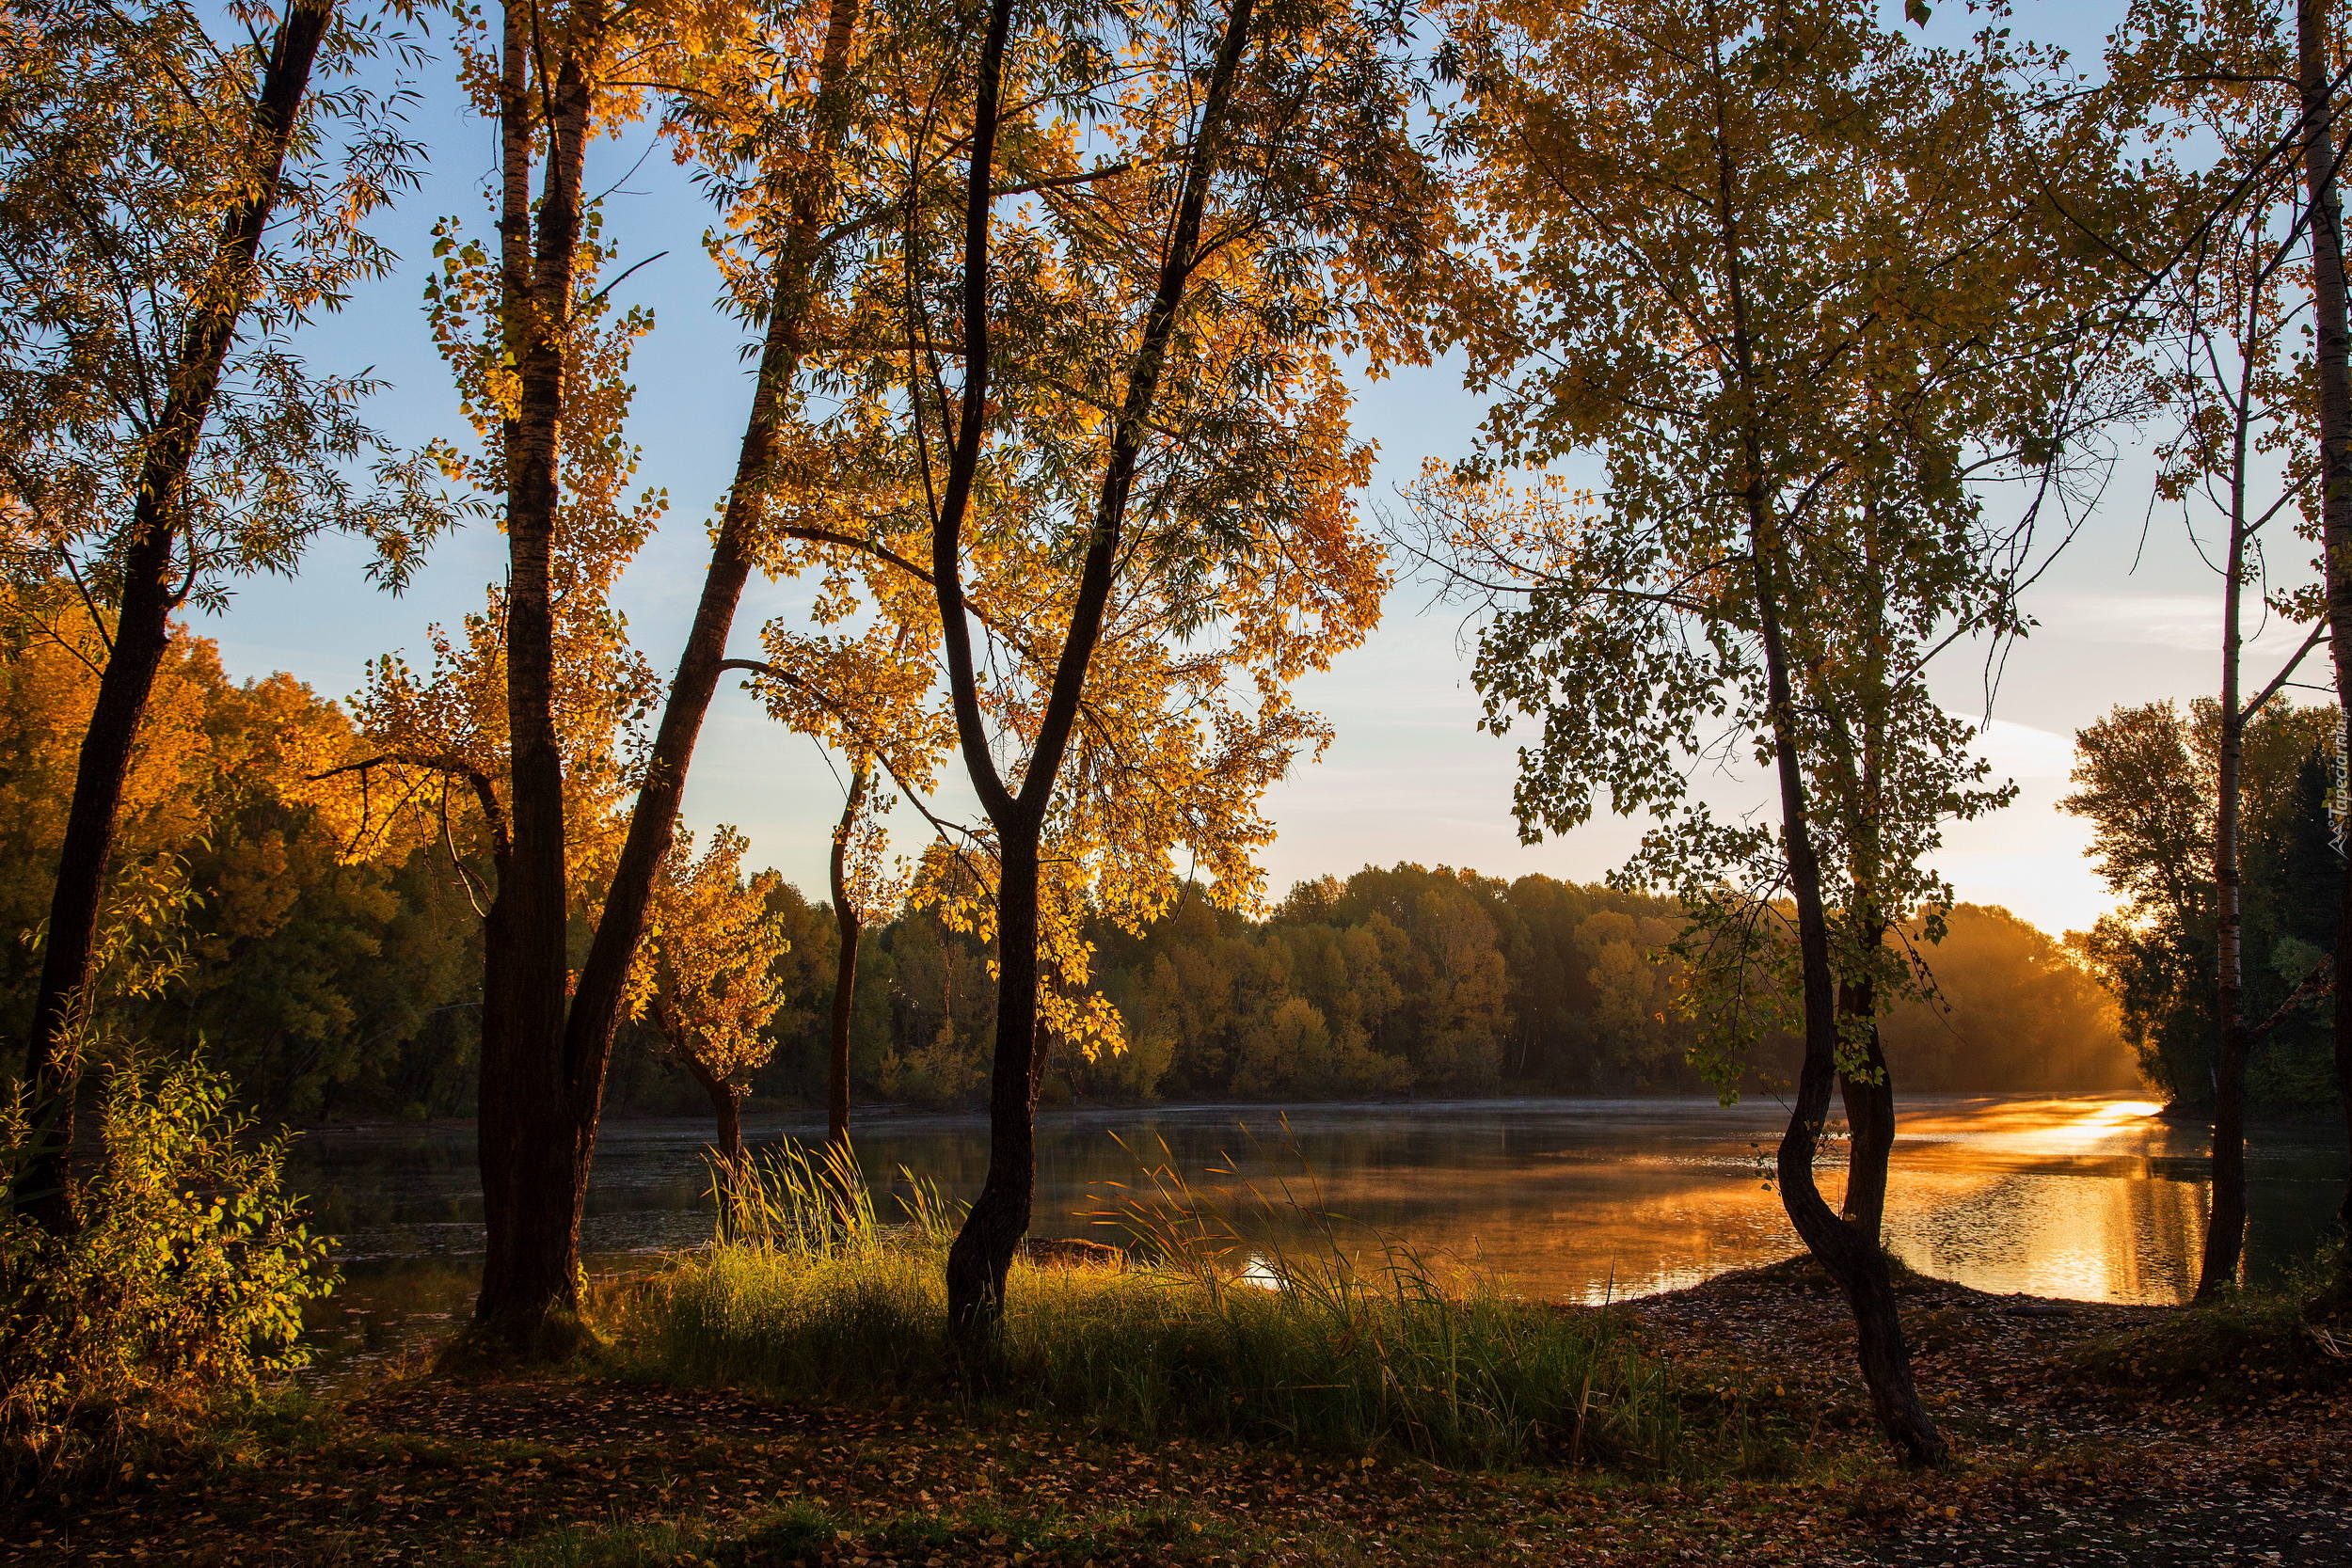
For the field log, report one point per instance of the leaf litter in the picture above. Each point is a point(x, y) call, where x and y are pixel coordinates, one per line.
point(2253, 1465)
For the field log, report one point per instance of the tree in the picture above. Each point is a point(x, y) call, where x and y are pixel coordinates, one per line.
point(869, 697)
point(173, 211)
point(1147, 448)
point(707, 973)
point(1792, 277)
point(2314, 60)
point(2240, 402)
point(2147, 778)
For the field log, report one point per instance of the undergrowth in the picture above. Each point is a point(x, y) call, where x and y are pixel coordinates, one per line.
point(2247, 1340)
point(161, 1321)
point(808, 1293)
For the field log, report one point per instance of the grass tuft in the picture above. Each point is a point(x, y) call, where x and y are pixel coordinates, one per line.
point(809, 1295)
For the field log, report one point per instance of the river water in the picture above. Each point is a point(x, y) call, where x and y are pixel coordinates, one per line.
point(2091, 1198)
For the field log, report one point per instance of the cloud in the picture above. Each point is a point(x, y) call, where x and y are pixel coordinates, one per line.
point(2175, 621)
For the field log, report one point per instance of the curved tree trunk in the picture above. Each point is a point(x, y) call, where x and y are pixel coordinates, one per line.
point(1850, 1258)
point(142, 626)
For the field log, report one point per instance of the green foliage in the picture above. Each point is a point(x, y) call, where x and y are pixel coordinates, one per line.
point(130, 134)
point(1340, 1349)
point(183, 1281)
point(1399, 979)
point(1695, 278)
point(2144, 779)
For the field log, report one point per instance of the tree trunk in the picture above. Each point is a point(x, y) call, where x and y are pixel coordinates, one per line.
point(845, 915)
point(1849, 1257)
point(533, 1160)
point(1869, 1123)
point(999, 1217)
point(142, 624)
point(2225, 1220)
point(1855, 1263)
point(726, 1105)
point(2333, 351)
point(982, 1254)
point(595, 1006)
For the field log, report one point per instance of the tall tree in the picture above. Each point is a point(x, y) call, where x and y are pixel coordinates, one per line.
point(2243, 406)
point(2148, 780)
point(2317, 86)
point(871, 698)
point(161, 436)
point(785, 201)
point(1787, 273)
point(1113, 337)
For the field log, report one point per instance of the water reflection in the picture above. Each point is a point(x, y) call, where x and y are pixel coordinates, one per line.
point(2086, 1197)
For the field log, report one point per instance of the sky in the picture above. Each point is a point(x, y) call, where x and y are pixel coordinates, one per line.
point(2128, 613)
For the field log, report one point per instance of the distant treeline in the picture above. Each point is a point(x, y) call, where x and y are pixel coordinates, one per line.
point(329, 986)
point(1407, 980)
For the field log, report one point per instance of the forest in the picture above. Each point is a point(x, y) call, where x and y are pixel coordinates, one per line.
point(327, 986)
point(1803, 339)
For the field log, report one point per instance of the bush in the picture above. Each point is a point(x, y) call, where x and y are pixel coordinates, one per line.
point(2244, 1342)
point(183, 1279)
point(807, 1295)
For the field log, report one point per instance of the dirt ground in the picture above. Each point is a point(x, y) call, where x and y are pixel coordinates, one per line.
point(2245, 1462)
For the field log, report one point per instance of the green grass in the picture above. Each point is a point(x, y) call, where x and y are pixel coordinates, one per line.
point(809, 1297)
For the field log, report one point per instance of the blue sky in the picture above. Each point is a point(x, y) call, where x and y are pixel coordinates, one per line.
point(2129, 613)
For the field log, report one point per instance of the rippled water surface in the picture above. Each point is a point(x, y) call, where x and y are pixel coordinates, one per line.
point(2085, 1196)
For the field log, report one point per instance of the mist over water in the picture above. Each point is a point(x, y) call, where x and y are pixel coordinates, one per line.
point(2091, 1197)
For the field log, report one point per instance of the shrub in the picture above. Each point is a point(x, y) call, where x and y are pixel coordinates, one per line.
point(184, 1278)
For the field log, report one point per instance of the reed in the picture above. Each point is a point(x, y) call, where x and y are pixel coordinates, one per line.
point(810, 1292)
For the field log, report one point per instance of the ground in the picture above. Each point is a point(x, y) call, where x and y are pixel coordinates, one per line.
point(2245, 1459)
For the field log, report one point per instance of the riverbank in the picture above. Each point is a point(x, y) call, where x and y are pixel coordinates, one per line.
point(2079, 1443)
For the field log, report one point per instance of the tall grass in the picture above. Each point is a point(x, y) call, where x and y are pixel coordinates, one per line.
point(809, 1292)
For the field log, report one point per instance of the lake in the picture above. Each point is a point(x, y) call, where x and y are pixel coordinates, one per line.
point(2090, 1197)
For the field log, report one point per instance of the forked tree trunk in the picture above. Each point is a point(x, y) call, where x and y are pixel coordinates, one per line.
point(981, 1255)
point(2333, 354)
point(543, 1064)
point(847, 925)
point(1850, 1258)
point(150, 592)
point(533, 1166)
point(1870, 1122)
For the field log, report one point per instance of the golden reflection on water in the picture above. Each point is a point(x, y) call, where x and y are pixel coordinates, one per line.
point(2090, 1197)
point(2109, 1224)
